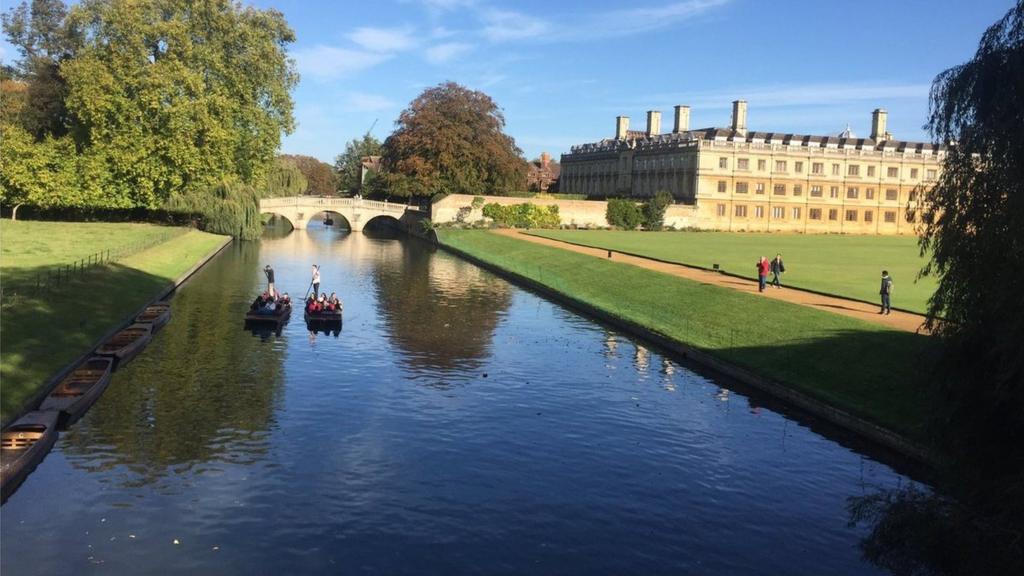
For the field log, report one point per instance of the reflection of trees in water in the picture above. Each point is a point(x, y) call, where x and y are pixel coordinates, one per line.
point(441, 311)
point(205, 390)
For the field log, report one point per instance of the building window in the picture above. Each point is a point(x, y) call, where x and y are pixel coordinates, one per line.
point(761, 165)
point(869, 194)
point(913, 173)
point(796, 213)
point(799, 167)
point(722, 186)
point(742, 164)
point(779, 190)
point(835, 170)
point(813, 213)
point(741, 211)
point(833, 214)
point(852, 192)
point(818, 168)
point(798, 190)
point(869, 216)
point(758, 211)
point(890, 216)
point(930, 174)
point(778, 213)
point(892, 172)
point(759, 188)
point(871, 171)
point(891, 194)
point(721, 209)
point(833, 192)
point(816, 191)
point(851, 215)
point(780, 165)
point(723, 162)
point(741, 187)
point(853, 170)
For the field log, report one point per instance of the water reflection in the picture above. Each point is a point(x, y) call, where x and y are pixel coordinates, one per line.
point(206, 395)
point(441, 312)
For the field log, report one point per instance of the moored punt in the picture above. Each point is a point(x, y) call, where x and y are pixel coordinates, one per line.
point(23, 446)
point(79, 389)
point(155, 314)
point(124, 345)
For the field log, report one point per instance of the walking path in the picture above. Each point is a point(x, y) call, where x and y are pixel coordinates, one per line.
point(853, 308)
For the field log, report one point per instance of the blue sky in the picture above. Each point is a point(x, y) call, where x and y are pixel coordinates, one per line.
point(562, 70)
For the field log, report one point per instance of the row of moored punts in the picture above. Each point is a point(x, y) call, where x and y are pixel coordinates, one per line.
point(25, 442)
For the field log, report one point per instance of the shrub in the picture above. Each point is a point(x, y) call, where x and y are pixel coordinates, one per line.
point(623, 213)
point(478, 202)
point(523, 215)
point(654, 210)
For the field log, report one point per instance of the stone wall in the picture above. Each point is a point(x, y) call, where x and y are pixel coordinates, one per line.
point(580, 213)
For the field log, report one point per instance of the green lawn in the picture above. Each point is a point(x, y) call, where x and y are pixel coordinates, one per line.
point(844, 265)
point(858, 366)
point(42, 331)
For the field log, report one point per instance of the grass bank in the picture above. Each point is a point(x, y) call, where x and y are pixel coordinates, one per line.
point(41, 331)
point(844, 265)
point(867, 370)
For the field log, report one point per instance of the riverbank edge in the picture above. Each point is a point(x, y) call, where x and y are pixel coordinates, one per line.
point(869, 430)
point(722, 272)
point(50, 384)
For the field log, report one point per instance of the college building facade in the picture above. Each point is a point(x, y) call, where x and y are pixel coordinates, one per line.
point(762, 181)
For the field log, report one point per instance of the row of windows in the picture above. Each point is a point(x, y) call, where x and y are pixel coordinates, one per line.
point(819, 168)
point(852, 192)
point(779, 213)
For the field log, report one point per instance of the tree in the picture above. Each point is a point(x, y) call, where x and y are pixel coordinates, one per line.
point(346, 164)
point(450, 139)
point(319, 175)
point(623, 213)
point(284, 179)
point(654, 210)
point(975, 234)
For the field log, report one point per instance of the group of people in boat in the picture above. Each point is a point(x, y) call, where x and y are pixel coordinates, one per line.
point(267, 303)
point(322, 303)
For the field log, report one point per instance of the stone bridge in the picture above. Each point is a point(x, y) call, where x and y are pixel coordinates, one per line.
point(357, 213)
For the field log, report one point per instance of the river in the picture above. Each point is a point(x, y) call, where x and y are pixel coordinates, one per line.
point(456, 424)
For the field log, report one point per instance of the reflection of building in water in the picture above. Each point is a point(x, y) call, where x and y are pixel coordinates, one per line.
point(611, 344)
point(668, 370)
point(641, 358)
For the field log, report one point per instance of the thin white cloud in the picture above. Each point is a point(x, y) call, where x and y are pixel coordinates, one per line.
point(443, 53)
point(506, 25)
point(363, 102)
point(329, 63)
point(384, 40)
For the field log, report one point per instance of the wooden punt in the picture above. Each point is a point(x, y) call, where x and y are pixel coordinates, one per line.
point(124, 345)
point(23, 446)
point(79, 390)
point(323, 317)
point(278, 317)
point(156, 315)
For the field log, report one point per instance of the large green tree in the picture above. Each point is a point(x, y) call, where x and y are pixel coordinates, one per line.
point(319, 175)
point(284, 179)
point(451, 139)
point(346, 164)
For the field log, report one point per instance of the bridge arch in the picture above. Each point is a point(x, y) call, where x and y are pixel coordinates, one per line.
point(299, 210)
point(278, 215)
point(336, 216)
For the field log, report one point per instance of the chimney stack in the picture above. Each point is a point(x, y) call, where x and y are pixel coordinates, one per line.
point(739, 116)
point(682, 119)
point(653, 123)
point(545, 159)
point(621, 127)
point(878, 120)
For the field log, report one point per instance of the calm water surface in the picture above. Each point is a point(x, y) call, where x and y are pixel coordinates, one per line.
point(457, 424)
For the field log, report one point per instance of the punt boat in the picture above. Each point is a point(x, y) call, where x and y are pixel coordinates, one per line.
point(79, 389)
point(124, 345)
point(156, 315)
point(278, 317)
point(23, 446)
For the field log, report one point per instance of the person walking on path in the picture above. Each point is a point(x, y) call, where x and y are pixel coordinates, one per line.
point(885, 292)
point(316, 280)
point(270, 280)
point(777, 269)
point(763, 266)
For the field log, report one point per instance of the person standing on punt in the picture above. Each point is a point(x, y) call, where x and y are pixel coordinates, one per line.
point(316, 280)
point(270, 280)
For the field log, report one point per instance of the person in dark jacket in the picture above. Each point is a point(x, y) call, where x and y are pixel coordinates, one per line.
point(777, 269)
point(270, 280)
point(885, 292)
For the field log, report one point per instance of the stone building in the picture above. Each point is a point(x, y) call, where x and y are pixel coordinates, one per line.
point(738, 179)
point(542, 175)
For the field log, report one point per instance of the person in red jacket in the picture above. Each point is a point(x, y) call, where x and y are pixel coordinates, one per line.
point(763, 268)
